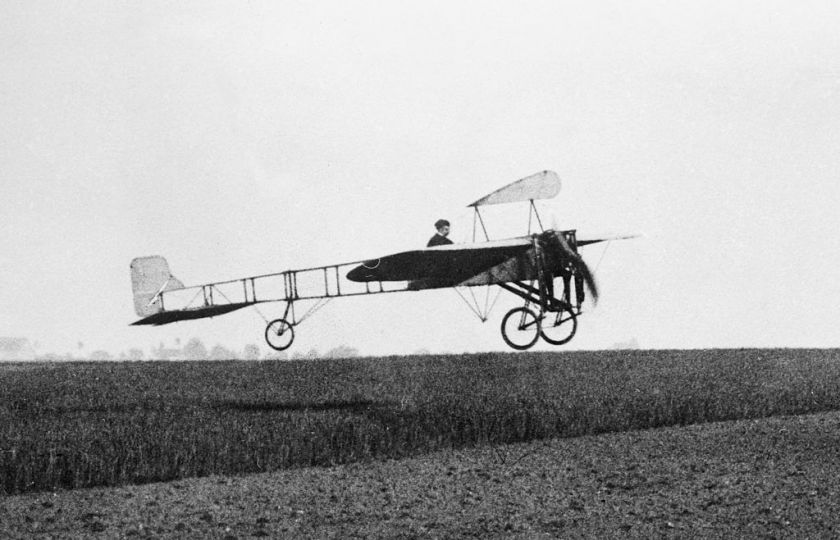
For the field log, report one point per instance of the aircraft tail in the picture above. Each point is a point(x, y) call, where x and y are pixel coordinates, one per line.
point(150, 276)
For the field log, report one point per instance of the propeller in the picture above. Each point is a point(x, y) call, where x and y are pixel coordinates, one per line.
point(559, 249)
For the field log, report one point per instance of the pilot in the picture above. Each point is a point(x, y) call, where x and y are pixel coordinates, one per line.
point(440, 238)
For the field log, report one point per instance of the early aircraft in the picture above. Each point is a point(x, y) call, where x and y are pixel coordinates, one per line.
point(526, 266)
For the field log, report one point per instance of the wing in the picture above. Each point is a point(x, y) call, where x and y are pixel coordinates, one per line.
point(444, 265)
point(581, 243)
point(543, 185)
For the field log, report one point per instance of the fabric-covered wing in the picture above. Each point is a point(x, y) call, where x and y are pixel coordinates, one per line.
point(581, 243)
point(543, 185)
point(445, 265)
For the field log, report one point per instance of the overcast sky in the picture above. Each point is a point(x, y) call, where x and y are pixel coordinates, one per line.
point(237, 138)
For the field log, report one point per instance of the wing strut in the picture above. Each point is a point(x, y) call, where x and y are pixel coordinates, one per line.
point(478, 219)
point(533, 210)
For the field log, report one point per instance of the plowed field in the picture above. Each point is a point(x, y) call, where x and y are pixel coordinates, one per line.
point(712, 443)
point(769, 478)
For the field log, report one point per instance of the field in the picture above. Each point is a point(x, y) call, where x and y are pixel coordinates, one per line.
point(772, 477)
point(103, 424)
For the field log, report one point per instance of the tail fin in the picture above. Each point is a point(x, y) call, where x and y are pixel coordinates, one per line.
point(150, 276)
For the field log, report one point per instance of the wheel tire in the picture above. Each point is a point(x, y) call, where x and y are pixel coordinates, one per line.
point(523, 322)
point(562, 324)
point(279, 334)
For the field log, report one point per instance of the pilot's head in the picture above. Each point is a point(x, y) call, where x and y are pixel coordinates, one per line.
point(442, 227)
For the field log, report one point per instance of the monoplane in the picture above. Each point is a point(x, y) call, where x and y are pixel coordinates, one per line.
point(527, 266)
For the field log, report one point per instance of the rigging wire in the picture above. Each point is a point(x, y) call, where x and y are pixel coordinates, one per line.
point(477, 314)
point(498, 293)
point(264, 318)
point(196, 296)
point(315, 308)
point(475, 306)
point(602, 255)
point(475, 301)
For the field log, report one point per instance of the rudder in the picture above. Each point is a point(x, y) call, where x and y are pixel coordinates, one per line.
point(150, 276)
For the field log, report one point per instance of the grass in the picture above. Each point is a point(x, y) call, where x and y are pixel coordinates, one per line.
point(90, 424)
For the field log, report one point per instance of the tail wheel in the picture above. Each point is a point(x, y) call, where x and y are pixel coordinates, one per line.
point(279, 334)
point(520, 328)
point(559, 327)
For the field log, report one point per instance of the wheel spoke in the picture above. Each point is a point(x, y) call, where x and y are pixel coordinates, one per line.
point(520, 328)
point(561, 329)
point(279, 334)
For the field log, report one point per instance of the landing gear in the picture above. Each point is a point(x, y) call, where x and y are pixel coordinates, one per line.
point(279, 334)
point(544, 314)
point(559, 327)
point(521, 328)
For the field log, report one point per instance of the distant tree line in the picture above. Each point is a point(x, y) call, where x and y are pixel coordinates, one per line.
point(195, 349)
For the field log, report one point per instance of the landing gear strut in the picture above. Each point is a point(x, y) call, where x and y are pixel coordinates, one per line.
point(559, 327)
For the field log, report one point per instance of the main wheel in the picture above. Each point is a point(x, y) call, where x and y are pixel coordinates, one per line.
point(520, 328)
point(559, 327)
point(279, 334)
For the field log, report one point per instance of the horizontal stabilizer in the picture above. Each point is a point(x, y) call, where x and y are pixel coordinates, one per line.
point(166, 317)
point(543, 185)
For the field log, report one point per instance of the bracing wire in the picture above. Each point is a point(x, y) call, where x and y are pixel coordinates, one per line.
point(264, 318)
point(498, 293)
point(196, 296)
point(223, 295)
point(464, 298)
point(475, 301)
point(602, 255)
point(475, 306)
point(314, 309)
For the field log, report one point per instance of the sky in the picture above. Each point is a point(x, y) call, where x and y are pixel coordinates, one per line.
point(239, 138)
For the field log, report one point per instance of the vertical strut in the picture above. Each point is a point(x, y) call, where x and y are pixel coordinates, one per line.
point(480, 220)
point(539, 221)
point(529, 216)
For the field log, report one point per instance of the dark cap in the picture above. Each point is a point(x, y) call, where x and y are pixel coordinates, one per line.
point(441, 223)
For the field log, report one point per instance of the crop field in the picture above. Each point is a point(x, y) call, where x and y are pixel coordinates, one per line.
point(72, 425)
